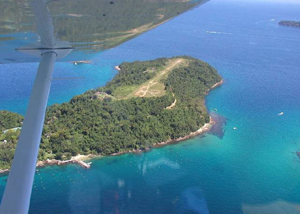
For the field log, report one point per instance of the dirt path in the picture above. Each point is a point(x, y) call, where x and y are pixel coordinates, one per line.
point(172, 105)
point(141, 92)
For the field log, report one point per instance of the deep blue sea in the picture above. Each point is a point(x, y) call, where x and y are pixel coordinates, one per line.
point(251, 169)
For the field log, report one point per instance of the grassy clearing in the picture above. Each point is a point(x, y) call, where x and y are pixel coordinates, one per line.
point(123, 91)
point(156, 90)
point(155, 86)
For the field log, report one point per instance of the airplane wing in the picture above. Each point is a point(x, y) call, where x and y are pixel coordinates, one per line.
point(44, 25)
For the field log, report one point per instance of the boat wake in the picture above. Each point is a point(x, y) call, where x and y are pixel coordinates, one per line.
point(217, 32)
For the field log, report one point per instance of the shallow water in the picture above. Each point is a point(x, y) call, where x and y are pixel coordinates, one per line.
point(243, 171)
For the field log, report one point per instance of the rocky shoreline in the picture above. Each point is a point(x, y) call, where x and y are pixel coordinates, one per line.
point(74, 160)
point(202, 130)
point(205, 128)
point(53, 162)
point(79, 159)
point(216, 85)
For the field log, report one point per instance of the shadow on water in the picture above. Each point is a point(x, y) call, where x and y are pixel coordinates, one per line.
point(219, 123)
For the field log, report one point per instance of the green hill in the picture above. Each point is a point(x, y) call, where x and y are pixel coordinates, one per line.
point(146, 103)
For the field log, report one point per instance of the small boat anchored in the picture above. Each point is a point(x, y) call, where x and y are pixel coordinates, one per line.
point(81, 62)
point(281, 113)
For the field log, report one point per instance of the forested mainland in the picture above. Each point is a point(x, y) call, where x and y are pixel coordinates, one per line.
point(79, 22)
point(145, 103)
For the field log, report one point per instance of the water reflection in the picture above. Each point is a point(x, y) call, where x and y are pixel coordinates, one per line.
point(192, 200)
point(89, 25)
point(165, 180)
point(145, 166)
point(278, 207)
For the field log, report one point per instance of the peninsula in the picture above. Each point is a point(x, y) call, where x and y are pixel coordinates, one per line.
point(146, 104)
point(290, 24)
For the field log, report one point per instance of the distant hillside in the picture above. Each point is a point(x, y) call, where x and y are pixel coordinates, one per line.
point(94, 24)
point(290, 24)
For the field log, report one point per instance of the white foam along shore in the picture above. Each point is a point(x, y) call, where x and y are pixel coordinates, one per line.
point(79, 159)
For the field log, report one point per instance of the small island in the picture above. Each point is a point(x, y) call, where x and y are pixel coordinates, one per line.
point(147, 104)
point(290, 24)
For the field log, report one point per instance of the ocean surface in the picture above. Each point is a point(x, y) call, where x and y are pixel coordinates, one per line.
point(250, 169)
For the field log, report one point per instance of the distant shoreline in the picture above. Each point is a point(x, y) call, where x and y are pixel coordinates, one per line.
point(79, 159)
point(290, 24)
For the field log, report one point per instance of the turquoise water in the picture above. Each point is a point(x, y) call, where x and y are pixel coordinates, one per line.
point(253, 169)
point(69, 80)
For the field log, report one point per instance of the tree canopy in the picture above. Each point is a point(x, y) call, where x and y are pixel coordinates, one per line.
point(105, 121)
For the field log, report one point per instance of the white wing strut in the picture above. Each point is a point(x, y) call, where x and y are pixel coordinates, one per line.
point(16, 198)
point(17, 194)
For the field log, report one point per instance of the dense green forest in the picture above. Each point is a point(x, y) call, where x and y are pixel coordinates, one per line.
point(9, 120)
point(8, 138)
point(106, 120)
